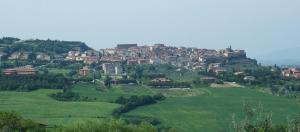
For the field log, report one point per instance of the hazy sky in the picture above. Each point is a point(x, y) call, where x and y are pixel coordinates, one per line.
point(255, 25)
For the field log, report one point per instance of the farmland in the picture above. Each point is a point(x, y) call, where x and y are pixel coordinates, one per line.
point(209, 109)
point(38, 106)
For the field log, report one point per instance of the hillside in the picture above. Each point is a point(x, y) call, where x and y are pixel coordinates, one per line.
point(209, 110)
point(9, 45)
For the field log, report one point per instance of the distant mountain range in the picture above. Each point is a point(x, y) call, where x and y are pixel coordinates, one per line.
point(289, 56)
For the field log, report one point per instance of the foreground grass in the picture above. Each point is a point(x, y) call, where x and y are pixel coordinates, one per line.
point(213, 111)
point(110, 95)
point(203, 109)
point(38, 106)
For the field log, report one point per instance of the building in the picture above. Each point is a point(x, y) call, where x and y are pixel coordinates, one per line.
point(143, 61)
point(229, 53)
point(161, 80)
point(43, 56)
point(26, 70)
point(108, 68)
point(10, 72)
point(249, 78)
point(208, 79)
point(132, 62)
point(291, 72)
point(118, 69)
point(19, 55)
point(84, 71)
point(126, 46)
point(91, 59)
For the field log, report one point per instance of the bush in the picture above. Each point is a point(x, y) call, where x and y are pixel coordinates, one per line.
point(10, 121)
point(135, 101)
point(65, 96)
point(108, 126)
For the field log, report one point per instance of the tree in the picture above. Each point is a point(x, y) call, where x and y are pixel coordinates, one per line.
point(107, 81)
point(72, 73)
point(10, 121)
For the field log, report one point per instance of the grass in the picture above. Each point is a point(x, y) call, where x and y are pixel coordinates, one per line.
point(109, 95)
point(59, 71)
point(38, 106)
point(201, 109)
point(213, 111)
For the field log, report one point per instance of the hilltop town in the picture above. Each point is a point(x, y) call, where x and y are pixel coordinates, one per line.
point(114, 82)
point(112, 58)
point(131, 54)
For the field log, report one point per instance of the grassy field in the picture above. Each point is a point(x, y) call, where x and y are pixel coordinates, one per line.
point(38, 106)
point(203, 109)
point(109, 95)
point(59, 71)
point(213, 111)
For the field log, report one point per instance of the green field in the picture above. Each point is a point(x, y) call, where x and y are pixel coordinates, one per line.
point(38, 106)
point(213, 111)
point(202, 109)
point(59, 71)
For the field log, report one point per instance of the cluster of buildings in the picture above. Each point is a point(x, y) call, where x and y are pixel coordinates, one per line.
point(190, 58)
point(26, 55)
point(291, 72)
point(88, 57)
point(113, 59)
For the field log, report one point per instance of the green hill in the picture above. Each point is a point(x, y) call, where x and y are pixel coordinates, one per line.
point(213, 111)
point(10, 45)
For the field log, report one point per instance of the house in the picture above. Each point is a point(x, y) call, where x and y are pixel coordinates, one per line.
point(249, 78)
point(26, 70)
point(91, 59)
point(143, 61)
point(43, 56)
point(132, 62)
point(208, 79)
point(239, 73)
point(72, 55)
point(19, 55)
point(108, 68)
point(118, 69)
point(219, 70)
point(9, 71)
point(291, 72)
point(84, 71)
point(161, 80)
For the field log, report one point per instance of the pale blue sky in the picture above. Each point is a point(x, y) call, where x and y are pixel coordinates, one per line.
point(255, 25)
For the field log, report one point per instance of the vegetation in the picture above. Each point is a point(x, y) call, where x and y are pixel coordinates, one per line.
point(107, 81)
point(69, 95)
point(213, 110)
point(38, 106)
point(108, 126)
point(46, 46)
point(10, 121)
point(33, 82)
point(267, 77)
point(257, 120)
point(135, 101)
point(62, 96)
point(170, 85)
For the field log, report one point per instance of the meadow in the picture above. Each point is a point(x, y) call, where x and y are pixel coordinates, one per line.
point(199, 109)
point(37, 105)
point(214, 110)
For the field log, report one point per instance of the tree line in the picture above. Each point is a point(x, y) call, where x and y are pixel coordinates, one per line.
point(33, 82)
point(135, 101)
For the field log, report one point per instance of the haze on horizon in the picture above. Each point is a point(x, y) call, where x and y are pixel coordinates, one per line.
point(258, 26)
